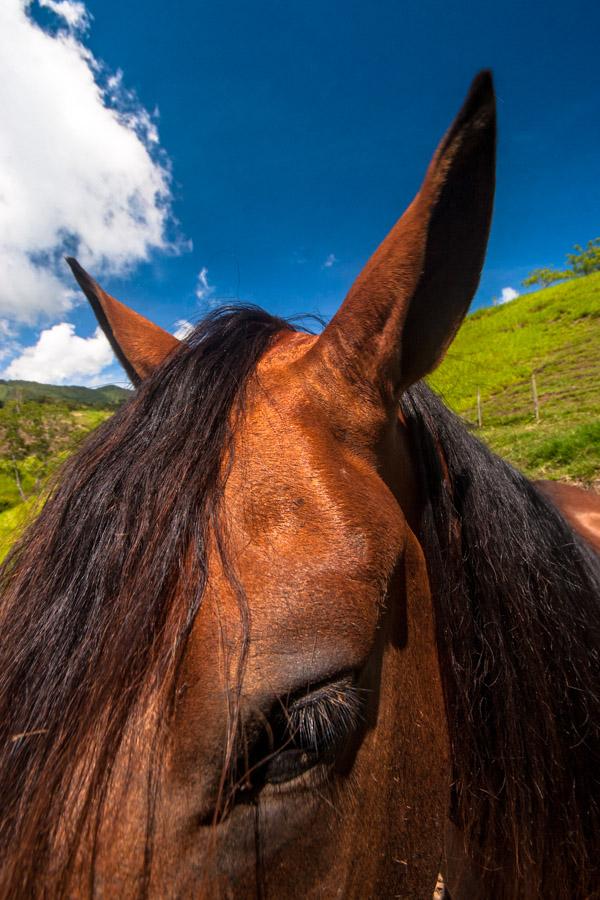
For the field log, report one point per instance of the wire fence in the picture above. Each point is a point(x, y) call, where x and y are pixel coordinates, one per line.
point(532, 398)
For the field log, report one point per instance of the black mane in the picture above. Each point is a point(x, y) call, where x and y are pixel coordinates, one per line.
point(517, 598)
point(92, 623)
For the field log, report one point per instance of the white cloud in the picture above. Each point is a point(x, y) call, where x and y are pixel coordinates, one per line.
point(330, 261)
point(73, 12)
point(204, 290)
point(6, 329)
point(60, 357)
point(182, 329)
point(80, 168)
point(8, 344)
point(508, 294)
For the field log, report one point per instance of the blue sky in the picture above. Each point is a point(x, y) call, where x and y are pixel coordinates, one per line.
point(296, 133)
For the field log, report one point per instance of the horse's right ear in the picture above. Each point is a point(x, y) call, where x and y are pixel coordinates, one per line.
point(406, 305)
point(139, 345)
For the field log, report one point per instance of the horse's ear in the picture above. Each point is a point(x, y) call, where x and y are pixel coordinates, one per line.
point(408, 302)
point(139, 345)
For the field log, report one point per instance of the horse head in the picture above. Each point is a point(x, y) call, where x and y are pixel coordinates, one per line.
point(305, 748)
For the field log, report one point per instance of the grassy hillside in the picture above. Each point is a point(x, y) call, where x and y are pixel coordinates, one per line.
point(12, 521)
point(554, 333)
point(34, 439)
point(40, 425)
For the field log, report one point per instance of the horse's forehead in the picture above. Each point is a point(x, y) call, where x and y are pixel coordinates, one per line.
point(289, 348)
point(293, 465)
point(314, 531)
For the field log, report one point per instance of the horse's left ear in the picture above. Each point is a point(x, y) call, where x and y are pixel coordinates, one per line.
point(139, 345)
point(409, 301)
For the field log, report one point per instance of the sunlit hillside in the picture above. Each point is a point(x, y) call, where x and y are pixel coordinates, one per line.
point(40, 425)
point(553, 334)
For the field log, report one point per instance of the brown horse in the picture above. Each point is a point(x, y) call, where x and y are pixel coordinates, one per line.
point(283, 622)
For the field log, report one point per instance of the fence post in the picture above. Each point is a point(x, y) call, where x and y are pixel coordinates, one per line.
point(534, 394)
point(478, 408)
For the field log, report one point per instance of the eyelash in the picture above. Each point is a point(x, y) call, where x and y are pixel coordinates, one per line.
point(325, 718)
point(300, 734)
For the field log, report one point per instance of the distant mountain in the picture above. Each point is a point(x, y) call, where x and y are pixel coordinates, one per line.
point(108, 397)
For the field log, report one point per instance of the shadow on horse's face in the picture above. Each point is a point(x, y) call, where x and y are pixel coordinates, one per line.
point(308, 751)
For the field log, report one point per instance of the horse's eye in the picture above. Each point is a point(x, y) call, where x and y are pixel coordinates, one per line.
point(305, 731)
point(289, 764)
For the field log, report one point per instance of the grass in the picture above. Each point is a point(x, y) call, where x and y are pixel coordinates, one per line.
point(36, 436)
point(12, 522)
point(556, 334)
point(576, 447)
point(549, 450)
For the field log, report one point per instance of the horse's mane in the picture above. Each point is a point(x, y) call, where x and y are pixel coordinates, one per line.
point(517, 598)
point(98, 598)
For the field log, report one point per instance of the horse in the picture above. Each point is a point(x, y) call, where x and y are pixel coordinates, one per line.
point(285, 628)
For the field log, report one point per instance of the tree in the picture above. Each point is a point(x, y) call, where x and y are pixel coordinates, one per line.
point(582, 262)
point(545, 277)
point(585, 261)
point(13, 439)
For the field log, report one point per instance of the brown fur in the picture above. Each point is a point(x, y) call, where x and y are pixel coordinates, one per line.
point(581, 508)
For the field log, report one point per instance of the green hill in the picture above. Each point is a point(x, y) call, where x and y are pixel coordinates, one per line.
point(108, 397)
point(40, 425)
point(554, 334)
